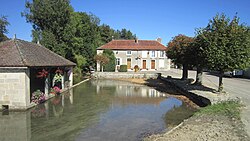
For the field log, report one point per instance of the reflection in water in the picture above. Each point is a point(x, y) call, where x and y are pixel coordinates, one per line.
point(95, 110)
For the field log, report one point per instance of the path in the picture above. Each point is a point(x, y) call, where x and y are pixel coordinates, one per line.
point(235, 88)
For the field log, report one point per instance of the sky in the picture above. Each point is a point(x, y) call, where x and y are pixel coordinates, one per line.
point(148, 19)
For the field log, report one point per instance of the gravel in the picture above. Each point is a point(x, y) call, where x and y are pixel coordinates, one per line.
point(205, 128)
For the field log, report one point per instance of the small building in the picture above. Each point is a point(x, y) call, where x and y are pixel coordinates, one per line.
point(148, 55)
point(26, 67)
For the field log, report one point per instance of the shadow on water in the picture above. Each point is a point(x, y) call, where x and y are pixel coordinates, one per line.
point(168, 87)
point(96, 110)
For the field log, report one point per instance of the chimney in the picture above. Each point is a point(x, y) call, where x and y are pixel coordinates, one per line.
point(136, 40)
point(14, 37)
point(158, 39)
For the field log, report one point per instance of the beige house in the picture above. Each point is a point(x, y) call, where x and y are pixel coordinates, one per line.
point(21, 65)
point(148, 55)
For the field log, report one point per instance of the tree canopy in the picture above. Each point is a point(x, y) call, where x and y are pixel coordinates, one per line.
point(3, 30)
point(58, 27)
point(225, 45)
point(179, 51)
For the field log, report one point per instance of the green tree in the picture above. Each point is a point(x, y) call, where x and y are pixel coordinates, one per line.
point(51, 17)
point(126, 34)
point(106, 33)
point(3, 24)
point(197, 57)
point(110, 66)
point(225, 44)
point(83, 36)
point(178, 51)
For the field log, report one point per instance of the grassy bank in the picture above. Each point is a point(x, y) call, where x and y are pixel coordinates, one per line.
point(227, 108)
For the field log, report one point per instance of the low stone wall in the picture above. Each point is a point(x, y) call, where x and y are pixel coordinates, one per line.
point(113, 75)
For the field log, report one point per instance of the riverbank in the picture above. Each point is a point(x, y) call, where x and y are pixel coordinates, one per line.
point(219, 122)
point(212, 125)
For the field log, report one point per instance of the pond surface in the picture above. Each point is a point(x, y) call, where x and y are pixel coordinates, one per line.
point(96, 110)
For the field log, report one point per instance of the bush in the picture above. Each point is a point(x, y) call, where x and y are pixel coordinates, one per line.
point(123, 68)
point(110, 66)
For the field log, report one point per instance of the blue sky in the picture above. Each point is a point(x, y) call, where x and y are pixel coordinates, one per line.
point(148, 19)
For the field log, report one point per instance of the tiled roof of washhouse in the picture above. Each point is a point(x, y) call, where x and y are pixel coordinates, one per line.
point(19, 53)
point(133, 45)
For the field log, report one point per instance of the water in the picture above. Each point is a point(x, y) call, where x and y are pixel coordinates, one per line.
point(96, 110)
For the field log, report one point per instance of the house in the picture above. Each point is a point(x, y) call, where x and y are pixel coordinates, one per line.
point(148, 55)
point(26, 67)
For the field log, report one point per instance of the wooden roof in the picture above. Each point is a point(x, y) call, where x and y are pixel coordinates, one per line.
point(19, 53)
point(133, 45)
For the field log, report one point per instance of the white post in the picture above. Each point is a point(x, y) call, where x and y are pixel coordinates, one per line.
point(71, 77)
point(62, 81)
point(46, 91)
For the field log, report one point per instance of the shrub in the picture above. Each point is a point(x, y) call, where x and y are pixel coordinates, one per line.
point(110, 65)
point(123, 68)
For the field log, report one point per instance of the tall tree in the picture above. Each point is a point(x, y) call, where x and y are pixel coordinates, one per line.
point(178, 52)
point(50, 16)
point(3, 30)
point(225, 44)
point(197, 57)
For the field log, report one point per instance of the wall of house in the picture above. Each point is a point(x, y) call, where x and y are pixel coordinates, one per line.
point(15, 88)
point(137, 58)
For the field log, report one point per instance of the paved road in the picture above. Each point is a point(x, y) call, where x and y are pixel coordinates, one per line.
point(235, 87)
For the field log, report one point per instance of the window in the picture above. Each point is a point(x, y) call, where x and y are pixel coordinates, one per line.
point(162, 53)
point(152, 53)
point(129, 52)
point(118, 61)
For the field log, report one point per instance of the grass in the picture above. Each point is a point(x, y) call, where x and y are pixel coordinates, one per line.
point(229, 108)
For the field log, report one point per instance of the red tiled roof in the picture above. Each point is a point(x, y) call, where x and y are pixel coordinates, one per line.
point(19, 53)
point(133, 45)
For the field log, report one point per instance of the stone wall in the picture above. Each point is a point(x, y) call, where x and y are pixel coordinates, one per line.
point(115, 75)
point(14, 88)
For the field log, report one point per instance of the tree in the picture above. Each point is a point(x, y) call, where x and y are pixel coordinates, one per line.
point(102, 59)
point(106, 33)
point(225, 45)
point(110, 66)
point(3, 24)
point(51, 17)
point(197, 57)
point(178, 51)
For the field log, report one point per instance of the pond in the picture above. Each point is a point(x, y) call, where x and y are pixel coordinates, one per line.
point(96, 110)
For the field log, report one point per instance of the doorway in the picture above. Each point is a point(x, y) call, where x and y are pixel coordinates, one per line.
point(128, 63)
point(144, 64)
point(152, 64)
